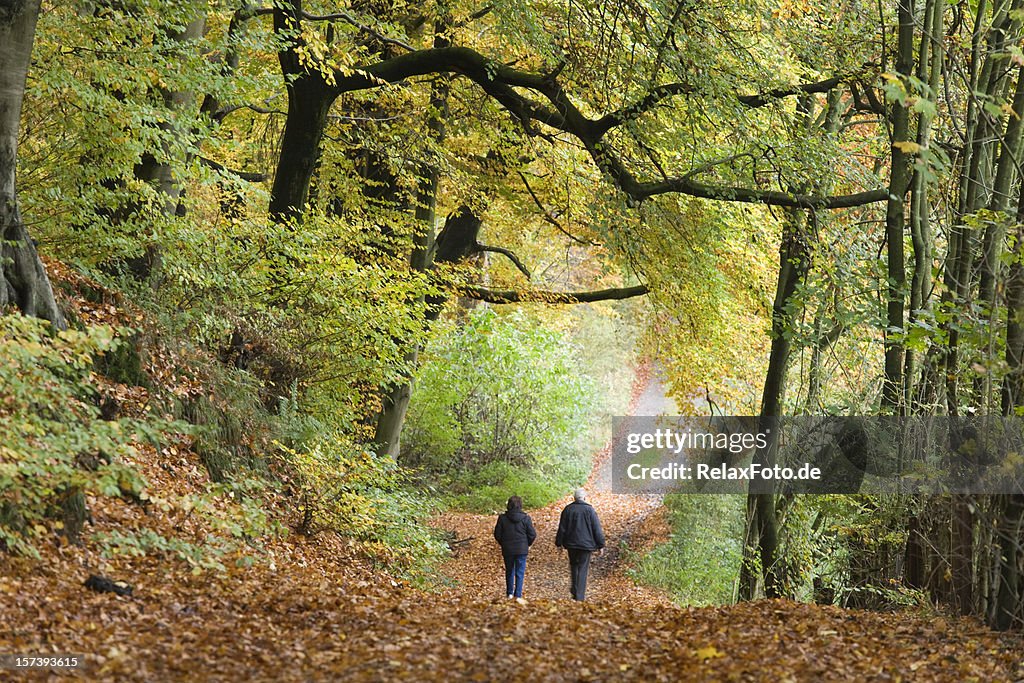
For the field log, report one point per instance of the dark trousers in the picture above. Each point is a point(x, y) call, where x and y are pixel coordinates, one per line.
point(515, 571)
point(579, 566)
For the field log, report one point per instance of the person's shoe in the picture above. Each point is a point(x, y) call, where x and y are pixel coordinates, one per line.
point(510, 596)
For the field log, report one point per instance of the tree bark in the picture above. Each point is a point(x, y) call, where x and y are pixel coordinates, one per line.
point(762, 522)
point(1007, 607)
point(309, 101)
point(1013, 381)
point(899, 183)
point(930, 66)
point(23, 279)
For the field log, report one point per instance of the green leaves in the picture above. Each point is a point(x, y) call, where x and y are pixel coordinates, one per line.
point(52, 441)
point(497, 389)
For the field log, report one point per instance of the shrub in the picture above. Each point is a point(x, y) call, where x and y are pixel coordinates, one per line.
point(54, 448)
point(498, 389)
point(699, 564)
point(342, 487)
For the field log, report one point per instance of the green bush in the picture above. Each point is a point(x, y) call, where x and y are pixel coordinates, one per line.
point(500, 406)
point(54, 448)
point(699, 564)
point(488, 489)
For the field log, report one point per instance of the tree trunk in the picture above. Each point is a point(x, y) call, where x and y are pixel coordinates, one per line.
point(762, 522)
point(395, 404)
point(930, 62)
point(899, 183)
point(23, 279)
point(1007, 608)
point(309, 100)
point(962, 554)
point(1013, 381)
point(157, 170)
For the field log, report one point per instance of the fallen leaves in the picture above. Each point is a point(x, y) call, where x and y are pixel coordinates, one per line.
point(314, 609)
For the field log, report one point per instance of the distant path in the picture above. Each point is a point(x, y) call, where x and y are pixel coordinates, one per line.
point(634, 521)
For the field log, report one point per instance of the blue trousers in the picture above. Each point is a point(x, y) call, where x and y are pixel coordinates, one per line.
point(515, 570)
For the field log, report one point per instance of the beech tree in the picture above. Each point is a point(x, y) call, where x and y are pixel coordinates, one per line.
point(24, 283)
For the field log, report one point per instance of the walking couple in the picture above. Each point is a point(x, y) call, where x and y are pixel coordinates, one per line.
point(579, 533)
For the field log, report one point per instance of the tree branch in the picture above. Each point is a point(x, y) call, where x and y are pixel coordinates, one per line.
point(242, 175)
point(222, 113)
point(508, 253)
point(495, 296)
point(501, 81)
point(633, 111)
point(549, 217)
point(350, 20)
point(755, 101)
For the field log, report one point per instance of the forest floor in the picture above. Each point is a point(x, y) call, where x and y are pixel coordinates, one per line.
point(317, 610)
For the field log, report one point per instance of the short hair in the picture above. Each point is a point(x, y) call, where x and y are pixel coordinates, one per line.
point(515, 504)
point(579, 495)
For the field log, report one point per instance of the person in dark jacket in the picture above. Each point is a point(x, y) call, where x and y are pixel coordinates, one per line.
point(580, 533)
point(515, 533)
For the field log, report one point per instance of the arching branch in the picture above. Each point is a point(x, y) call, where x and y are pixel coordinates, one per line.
point(511, 296)
point(509, 254)
point(505, 83)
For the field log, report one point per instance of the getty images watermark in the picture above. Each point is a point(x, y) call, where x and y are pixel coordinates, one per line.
point(737, 454)
point(688, 441)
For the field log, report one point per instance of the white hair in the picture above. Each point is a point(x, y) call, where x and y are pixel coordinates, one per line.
point(579, 495)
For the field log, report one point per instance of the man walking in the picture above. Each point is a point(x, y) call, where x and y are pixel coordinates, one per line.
point(580, 533)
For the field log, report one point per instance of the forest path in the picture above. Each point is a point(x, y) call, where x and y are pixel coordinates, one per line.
point(317, 613)
point(632, 523)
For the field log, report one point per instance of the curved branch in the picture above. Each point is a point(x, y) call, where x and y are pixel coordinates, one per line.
point(501, 81)
point(508, 254)
point(550, 218)
point(633, 111)
point(755, 101)
point(511, 296)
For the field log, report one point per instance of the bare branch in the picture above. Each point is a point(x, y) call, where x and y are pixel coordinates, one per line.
point(496, 296)
point(550, 218)
point(508, 254)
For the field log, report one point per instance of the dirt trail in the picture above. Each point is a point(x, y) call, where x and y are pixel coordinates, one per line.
point(631, 523)
point(318, 612)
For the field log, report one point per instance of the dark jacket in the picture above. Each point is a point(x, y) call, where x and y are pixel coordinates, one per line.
point(579, 528)
point(515, 532)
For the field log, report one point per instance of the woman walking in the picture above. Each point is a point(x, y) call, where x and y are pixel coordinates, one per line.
point(515, 533)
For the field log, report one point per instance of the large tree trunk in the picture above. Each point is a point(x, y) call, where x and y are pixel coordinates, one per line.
point(309, 101)
point(23, 280)
point(396, 398)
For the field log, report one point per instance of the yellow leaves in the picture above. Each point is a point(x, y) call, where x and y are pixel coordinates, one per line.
point(907, 146)
point(706, 653)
